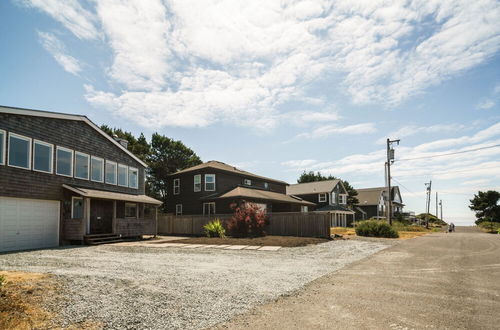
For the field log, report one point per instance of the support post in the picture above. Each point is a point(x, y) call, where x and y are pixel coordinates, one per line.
point(86, 215)
point(113, 220)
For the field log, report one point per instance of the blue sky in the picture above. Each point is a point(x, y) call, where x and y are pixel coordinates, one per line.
point(277, 87)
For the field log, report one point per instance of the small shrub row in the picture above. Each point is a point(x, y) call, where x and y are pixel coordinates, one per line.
point(375, 228)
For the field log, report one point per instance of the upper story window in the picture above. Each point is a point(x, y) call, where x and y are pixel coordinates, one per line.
point(97, 169)
point(343, 199)
point(266, 185)
point(42, 156)
point(110, 172)
point(19, 151)
point(133, 177)
point(197, 182)
point(82, 165)
point(247, 182)
point(2, 147)
point(64, 161)
point(177, 186)
point(122, 175)
point(322, 197)
point(209, 182)
point(334, 198)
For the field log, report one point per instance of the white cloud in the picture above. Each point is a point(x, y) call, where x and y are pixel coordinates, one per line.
point(327, 130)
point(486, 104)
point(298, 164)
point(56, 48)
point(411, 130)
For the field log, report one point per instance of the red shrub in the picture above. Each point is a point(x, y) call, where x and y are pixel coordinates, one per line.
point(248, 220)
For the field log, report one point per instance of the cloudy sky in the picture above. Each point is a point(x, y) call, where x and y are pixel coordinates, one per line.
point(278, 87)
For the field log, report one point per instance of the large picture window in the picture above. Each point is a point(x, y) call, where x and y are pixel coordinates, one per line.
point(64, 161)
point(42, 156)
point(122, 175)
point(209, 182)
point(97, 169)
point(2, 147)
point(82, 164)
point(110, 172)
point(133, 177)
point(197, 182)
point(19, 151)
point(76, 208)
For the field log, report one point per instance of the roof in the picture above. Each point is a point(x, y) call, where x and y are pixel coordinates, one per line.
point(92, 193)
point(263, 194)
point(317, 187)
point(371, 196)
point(334, 208)
point(66, 116)
point(227, 168)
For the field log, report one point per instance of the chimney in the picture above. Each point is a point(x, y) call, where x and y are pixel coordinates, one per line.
point(123, 142)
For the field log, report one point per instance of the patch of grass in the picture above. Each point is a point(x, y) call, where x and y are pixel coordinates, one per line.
point(411, 234)
point(270, 240)
point(490, 227)
point(342, 231)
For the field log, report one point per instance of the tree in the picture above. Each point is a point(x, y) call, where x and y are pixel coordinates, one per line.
point(313, 177)
point(139, 147)
point(485, 204)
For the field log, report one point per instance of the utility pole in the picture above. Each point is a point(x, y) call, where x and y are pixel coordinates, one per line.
point(437, 214)
point(390, 160)
point(441, 207)
point(428, 203)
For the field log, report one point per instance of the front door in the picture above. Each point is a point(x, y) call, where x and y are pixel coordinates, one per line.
point(101, 216)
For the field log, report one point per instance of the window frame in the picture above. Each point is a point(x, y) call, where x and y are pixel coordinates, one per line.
point(118, 175)
point(72, 161)
point(209, 203)
point(324, 199)
point(194, 183)
point(35, 141)
point(88, 165)
point(132, 169)
point(266, 185)
point(178, 186)
point(30, 151)
point(177, 209)
point(72, 206)
point(136, 210)
point(102, 168)
point(106, 172)
point(247, 182)
point(208, 175)
point(3, 143)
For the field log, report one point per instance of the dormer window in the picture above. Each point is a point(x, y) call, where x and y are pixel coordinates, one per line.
point(322, 198)
point(266, 185)
point(247, 182)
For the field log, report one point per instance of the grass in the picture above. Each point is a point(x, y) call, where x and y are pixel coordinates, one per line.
point(270, 240)
point(490, 227)
point(404, 231)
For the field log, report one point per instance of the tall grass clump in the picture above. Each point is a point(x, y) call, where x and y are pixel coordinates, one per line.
point(374, 228)
point(215, 229)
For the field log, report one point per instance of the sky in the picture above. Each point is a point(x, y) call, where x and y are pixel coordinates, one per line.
point(278, 87)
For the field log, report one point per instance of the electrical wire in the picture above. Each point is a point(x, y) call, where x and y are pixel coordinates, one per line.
point(450, 153)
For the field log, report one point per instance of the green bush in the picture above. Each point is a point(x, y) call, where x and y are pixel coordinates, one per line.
point(373, 228)
point(215, 229)
point(491, 227)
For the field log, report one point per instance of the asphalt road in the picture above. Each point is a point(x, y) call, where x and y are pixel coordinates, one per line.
point(439, 281)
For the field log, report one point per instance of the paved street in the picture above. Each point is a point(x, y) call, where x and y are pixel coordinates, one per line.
point(441, 281)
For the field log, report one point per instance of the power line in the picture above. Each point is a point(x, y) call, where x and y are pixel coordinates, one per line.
point(447, 172)
point(450, 153)
point(402, 185)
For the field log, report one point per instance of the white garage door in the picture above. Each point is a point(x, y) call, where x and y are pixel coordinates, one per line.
point(28, 224)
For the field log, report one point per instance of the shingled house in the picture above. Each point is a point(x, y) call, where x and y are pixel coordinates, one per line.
point(372, 202)
point(63, 179)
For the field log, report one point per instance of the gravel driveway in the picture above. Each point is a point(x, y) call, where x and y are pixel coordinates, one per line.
point(147, 287)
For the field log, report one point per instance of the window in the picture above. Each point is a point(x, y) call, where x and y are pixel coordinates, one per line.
point(97, 169)
point(122, 175)
point(343, 199)
point(334, 199)
point(177, 186)
point(2, 147)
point(42, 156)
point(304, 208)
point(82, 163)
point(322, 198)
point(209, 182)
point(197, 182)
point(133, 177)
point(110, 172)
point(178, 209)
point(130, 210)
point(64, 161)
point(266, 185)
point(19, 151)
point(247, 182)
point(76, 208)
point(209, 208)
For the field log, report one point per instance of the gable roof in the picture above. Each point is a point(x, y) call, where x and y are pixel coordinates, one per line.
point(371, 196)
point(226, 168)
point(317, 187)
point(245, 192)
point(59, 115)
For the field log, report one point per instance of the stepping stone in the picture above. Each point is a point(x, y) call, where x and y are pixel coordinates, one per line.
point(192, 246)
point(236, 247)
point(170, 245)
point(220, 246)
point(270, 248)
point(253, 247)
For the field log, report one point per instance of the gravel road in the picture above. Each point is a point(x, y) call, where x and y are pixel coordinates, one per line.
point(156, 288)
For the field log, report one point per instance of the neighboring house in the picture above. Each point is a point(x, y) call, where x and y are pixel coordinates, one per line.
point(210, 188)
point(372, 202)
point(62, 178)
point(329, 196)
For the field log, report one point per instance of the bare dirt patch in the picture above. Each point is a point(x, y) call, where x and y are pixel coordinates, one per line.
point(286, 241)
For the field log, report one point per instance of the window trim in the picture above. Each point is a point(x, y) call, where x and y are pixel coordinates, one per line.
point(102, 168)
point(88, 165)
point(3, 142)
point(208, 203)
point(325, 198)
point(206, 175)
point(35, 141)
point(72, 205)
point(72, 160)
point(194, 183)
point(106, 172)
point(131, 169)
point(22, 137)
point(177, 208)
point(118, 176)
point(178, 186)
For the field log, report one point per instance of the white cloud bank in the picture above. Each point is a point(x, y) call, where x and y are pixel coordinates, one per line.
point(56, 48)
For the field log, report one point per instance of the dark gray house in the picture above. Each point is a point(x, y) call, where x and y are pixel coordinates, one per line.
point(372, 202)
point(63, 179)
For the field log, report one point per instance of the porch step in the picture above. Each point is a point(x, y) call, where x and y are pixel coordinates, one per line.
point(96, 239)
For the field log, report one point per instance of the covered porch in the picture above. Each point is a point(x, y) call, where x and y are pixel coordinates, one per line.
point(339, 216)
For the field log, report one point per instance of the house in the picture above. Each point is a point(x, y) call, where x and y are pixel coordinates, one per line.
point(329, 196)
point(372, 202)
point(210, 188)
point(63, 179)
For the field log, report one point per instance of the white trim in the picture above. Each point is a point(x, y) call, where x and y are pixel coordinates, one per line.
point(178, 186)
point(35, 142)
point(206, 175)
point(106, 172)
point(4, 145)
point(322, 200)
point(48, 114)
point(88, 165)
point(22, 137)
point(176, 209)
point(194, 183)
point(208, 203)
point(83, 206)
point(131, 169)
point(72, 160)
point(102, 168)
point(118, 175)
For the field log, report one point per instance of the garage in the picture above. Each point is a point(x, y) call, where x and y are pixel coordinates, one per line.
point(28, 224)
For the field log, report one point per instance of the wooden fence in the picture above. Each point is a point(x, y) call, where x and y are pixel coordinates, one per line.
point(309, 224)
